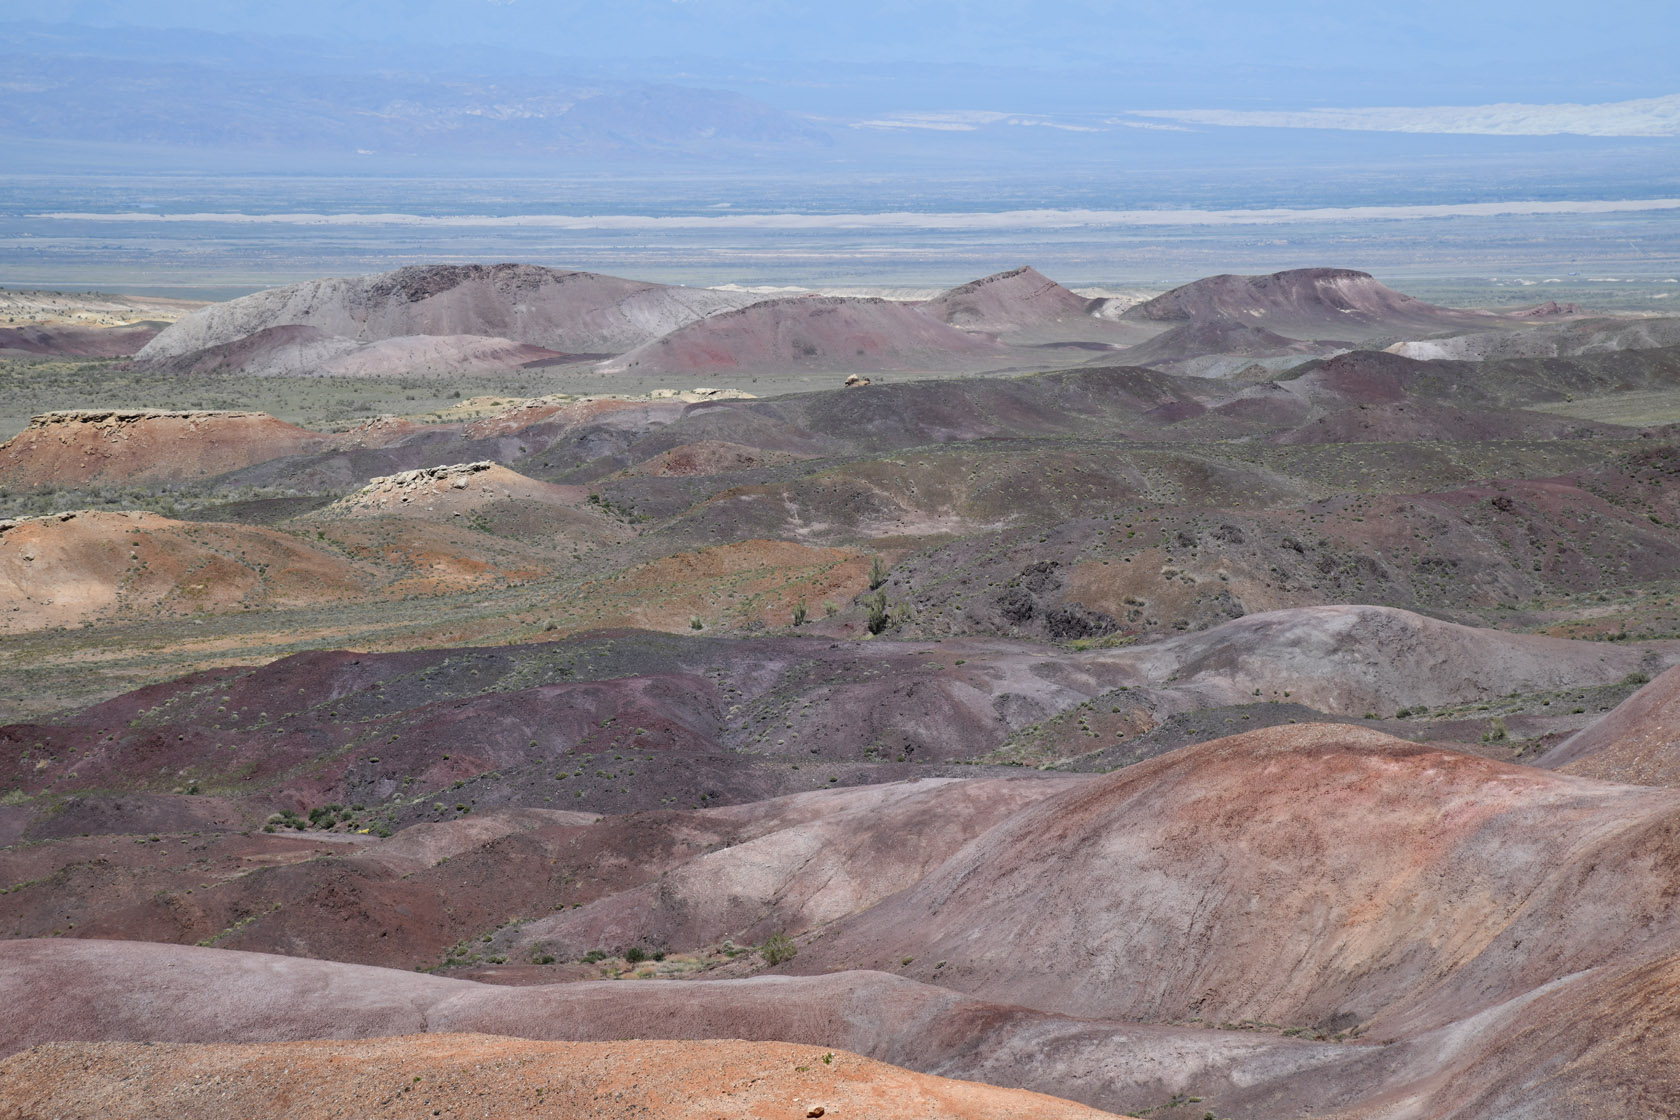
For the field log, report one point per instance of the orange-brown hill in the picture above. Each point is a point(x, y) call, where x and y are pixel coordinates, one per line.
point(1638, 742)
point(71, 568)
point(89, 446)
point(1315, 876)
point(490, 1076)
point(819, 333)
point(97, 566)
point(746, 584)
point(1306, 302)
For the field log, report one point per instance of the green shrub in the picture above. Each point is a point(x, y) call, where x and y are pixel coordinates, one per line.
point(799, 613)
point(635, 954)
point(778, 949)
point(876, 605)
point(877, 573)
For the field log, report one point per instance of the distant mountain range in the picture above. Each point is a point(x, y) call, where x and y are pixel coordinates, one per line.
point(218, 91)
point(553, 96)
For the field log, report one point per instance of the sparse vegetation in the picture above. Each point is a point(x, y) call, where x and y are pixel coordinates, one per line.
point(875, 612)
point(777, 949)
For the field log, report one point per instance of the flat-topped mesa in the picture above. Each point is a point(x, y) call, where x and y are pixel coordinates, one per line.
point(76, 447)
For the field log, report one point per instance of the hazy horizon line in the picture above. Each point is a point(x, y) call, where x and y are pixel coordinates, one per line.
point(1042, 218)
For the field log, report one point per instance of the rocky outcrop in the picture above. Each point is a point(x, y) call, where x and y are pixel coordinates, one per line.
point(449, 490)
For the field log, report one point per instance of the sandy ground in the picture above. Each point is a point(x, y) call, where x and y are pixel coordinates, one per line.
point(487, 1076)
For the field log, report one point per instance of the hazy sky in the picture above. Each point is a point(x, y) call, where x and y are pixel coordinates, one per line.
point(1212, 53)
